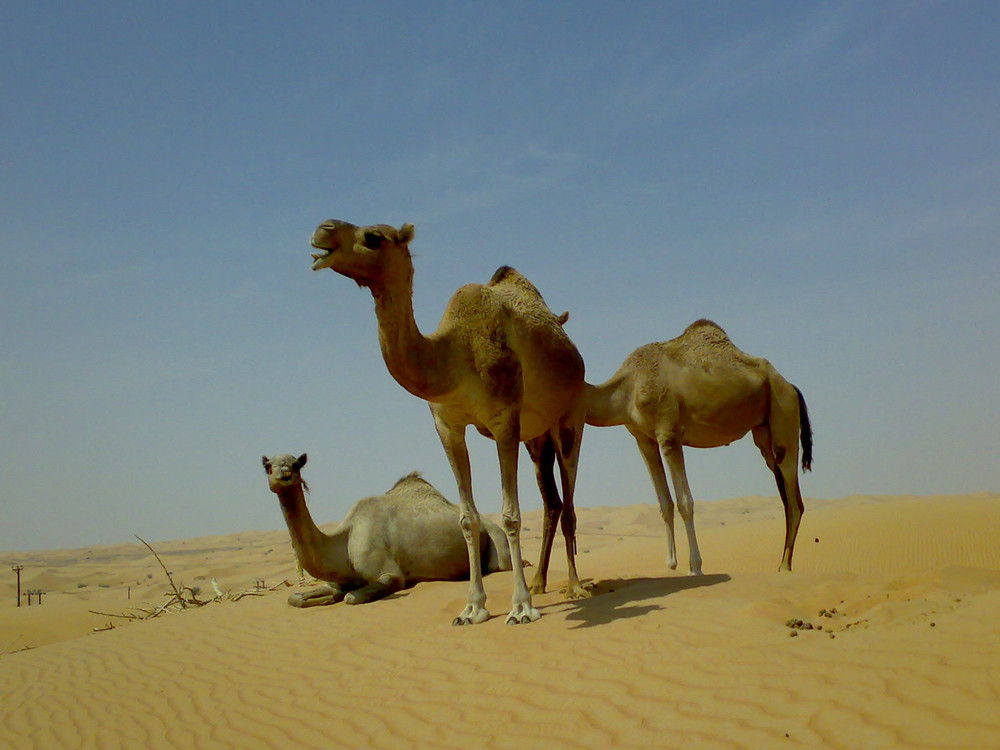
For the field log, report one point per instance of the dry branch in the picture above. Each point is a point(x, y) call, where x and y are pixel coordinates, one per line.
point(6, 649)
point(170, 578)
point(124, 615)
point(180, 597)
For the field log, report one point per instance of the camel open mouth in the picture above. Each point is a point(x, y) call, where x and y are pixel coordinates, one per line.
point(318, 259)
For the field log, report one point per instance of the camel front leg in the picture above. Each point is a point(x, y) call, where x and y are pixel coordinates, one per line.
point(521, 609)
point(453, 440)
point(386, 584)
point(650, 452)
point(674, 454)
point(320, 596)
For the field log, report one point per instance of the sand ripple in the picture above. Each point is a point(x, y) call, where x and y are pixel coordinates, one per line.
point(654, 659)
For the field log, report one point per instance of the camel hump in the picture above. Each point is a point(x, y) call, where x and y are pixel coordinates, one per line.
point(521, 295)
point(413, 478)
point(706, 327)
point(511, 277)
point(502, 274)
point(417, 494)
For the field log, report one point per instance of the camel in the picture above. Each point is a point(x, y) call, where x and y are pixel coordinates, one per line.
point(700, 390)
point(500, 361)
point(384, 544)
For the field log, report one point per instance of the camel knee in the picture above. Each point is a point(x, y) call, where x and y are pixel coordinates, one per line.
point(470, 525)
point(511, 523)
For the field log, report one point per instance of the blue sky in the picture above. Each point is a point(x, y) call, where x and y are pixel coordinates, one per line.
point(821, 179)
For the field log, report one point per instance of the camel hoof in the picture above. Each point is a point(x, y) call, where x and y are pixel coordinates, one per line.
point(522, 615)
point(523, 621)
point(471, 615)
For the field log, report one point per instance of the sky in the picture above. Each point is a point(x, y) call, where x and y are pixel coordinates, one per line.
point(822, 179)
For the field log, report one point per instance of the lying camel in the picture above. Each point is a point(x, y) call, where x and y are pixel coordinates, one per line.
point(385, 543)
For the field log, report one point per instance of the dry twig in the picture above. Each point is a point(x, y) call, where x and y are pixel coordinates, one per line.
point(181, 597)
point(170, 578)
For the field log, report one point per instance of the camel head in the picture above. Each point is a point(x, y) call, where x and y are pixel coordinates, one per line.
point(283, 471)
point(365, 254)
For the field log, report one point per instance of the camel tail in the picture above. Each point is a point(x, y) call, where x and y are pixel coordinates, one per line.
point(805, 432)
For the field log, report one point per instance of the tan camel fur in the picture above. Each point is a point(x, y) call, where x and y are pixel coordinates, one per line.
point(701, 391)
point(500, 361)
point(385, 543)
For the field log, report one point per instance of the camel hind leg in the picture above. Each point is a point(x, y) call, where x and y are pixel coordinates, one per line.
point(778, 442)
point(542, 451)
point(568, 442)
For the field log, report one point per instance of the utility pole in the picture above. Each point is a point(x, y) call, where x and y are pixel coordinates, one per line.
point(17, 569)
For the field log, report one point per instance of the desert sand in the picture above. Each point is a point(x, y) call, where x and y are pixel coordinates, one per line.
point(886, 634)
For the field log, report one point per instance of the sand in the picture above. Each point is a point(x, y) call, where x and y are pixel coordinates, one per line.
point(906, 652)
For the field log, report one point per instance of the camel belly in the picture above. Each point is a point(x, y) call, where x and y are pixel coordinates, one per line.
point(532, 425)
point(711, 425)
point(538, 412)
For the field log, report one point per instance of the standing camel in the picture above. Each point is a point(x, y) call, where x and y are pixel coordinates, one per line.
point(700, 390)
point(500, 361)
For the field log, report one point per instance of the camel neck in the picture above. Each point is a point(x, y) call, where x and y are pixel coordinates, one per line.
point(607, 403)
point(414, 360)
point(315, 550)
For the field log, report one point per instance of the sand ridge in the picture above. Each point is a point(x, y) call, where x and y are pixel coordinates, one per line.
point(906, 653)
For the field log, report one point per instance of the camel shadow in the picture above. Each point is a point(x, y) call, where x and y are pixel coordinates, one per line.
point(616, 598)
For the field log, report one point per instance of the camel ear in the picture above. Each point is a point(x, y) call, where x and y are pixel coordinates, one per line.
point(406, 233)
point(267, 463)
point(301, 461)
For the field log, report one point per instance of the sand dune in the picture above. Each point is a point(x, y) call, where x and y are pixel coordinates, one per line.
point(906, 651)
